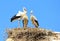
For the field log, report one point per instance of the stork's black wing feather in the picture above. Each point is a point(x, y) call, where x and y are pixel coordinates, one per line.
point(37, 22)
point(15, 17)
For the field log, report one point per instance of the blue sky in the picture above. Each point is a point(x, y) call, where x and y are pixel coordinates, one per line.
point(46, 11)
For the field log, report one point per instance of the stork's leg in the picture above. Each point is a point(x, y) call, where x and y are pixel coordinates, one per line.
point(18, 23)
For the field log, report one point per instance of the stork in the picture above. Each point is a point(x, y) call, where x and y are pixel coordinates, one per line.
point(34, 19)
point(25, 21)
point(19, 16)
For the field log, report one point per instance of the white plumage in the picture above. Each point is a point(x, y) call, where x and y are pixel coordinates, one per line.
point(34, 20)
point(19, 13)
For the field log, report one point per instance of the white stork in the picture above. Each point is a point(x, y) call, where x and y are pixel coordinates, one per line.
point(34, 20)
point(25, 21)
point(19, 16)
